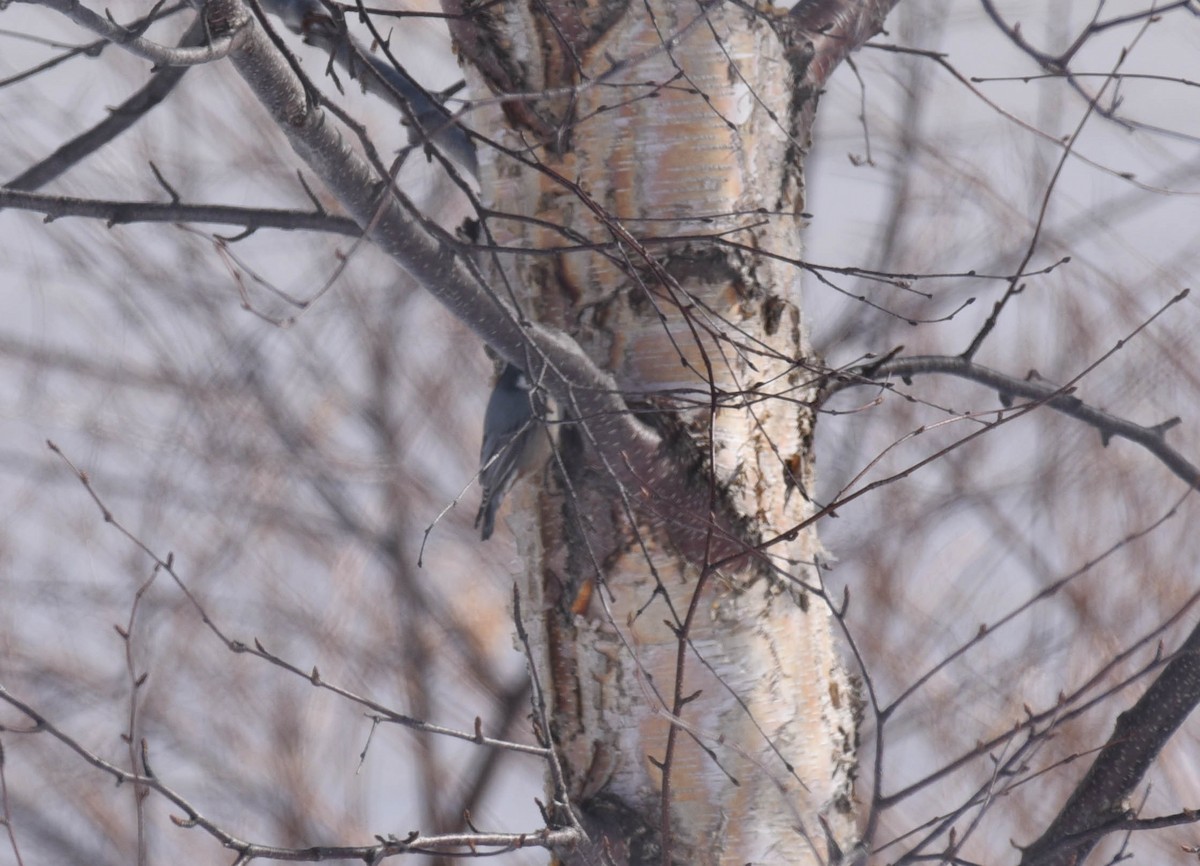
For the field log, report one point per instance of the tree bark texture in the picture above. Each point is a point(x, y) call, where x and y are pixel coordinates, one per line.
point(658, 148)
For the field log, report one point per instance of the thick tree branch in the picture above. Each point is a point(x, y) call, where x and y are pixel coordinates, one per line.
point(394, 223)
point(311, 20)
point(1099, 803)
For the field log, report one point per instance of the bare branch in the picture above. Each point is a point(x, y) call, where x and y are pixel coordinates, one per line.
point(92, 49)
point(313, 675)
point(128, 39)
point(6, 812)
point(119, 119)
point(428, 118)
point(387, 846)
point(1015, 286)
point(1097, 805)
point(125, 212)
point(1151, 438)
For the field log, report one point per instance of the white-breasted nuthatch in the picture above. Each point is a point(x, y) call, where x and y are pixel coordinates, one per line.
point(511, 441)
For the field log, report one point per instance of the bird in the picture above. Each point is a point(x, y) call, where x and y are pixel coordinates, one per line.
point(511, 437)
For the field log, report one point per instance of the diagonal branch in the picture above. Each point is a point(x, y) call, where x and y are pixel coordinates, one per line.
point(1099, 803)
point(316, 24)
point(119, 119)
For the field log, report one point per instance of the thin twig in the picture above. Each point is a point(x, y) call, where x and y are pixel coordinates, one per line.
point(126, 212)
point(6, 811)
point(467, 844)
point(313, 675)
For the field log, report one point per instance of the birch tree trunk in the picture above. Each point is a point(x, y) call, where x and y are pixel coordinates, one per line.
point(695, 693)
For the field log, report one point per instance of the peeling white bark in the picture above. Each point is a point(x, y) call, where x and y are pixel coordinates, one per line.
point(775, 708)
